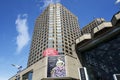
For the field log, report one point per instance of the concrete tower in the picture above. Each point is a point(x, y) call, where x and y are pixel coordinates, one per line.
point(55, 29)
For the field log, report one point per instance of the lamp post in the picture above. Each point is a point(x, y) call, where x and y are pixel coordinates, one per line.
point(18, 67)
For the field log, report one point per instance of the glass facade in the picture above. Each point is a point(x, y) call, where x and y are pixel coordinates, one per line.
point(59, 34)
point(51, 28)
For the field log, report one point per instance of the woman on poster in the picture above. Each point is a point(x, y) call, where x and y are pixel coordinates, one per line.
point(59, 69)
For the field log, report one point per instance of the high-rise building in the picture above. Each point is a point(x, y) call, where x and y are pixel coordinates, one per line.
point(55, 28)
point(95, 23)
point(57, 38)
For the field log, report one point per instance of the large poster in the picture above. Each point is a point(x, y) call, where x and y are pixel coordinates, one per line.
point(56, 66)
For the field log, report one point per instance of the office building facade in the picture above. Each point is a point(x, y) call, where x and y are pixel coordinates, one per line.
point(55, 31)
point(55, 28)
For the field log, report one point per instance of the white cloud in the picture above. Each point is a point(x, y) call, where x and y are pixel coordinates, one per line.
point(22, 38)
point(47, 2)
point(118, 1)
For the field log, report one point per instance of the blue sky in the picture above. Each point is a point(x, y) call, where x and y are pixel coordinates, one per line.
point(17, 18)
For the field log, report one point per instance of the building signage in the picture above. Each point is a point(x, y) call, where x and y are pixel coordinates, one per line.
point(50, 52)
point(116, 76)
point(83, 74)
point(56, 66)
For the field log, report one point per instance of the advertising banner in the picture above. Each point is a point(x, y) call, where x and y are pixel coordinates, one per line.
point(56, 66)
point(50, 52)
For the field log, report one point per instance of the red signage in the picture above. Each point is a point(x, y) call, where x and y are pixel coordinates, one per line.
point(50, 52)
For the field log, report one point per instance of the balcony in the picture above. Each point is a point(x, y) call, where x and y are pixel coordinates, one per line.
point(84, 38)
point(116, 19)
point(102, 28)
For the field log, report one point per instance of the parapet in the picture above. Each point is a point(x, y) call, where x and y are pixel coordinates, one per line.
point(85, 37)
point(116, 19)
point(101, 32)
point(102, 28)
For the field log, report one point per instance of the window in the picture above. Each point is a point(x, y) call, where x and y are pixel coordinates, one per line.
point(59, 38)
point(50, 35)
point(58, 20)
point(59, 45)
point(50, 45)
point(59, 35)
point(60, 50)
point(58, 23)
point(50, 23)
point(51, 31)
point(50, 26)
point(66, 47)
point(66, 51)
point(61, 53)
point(59, 28)
point(58, 31)
point(18, 77)
point(59, 41)
point(27, 76)
point(50, 38)
point(71, 53)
